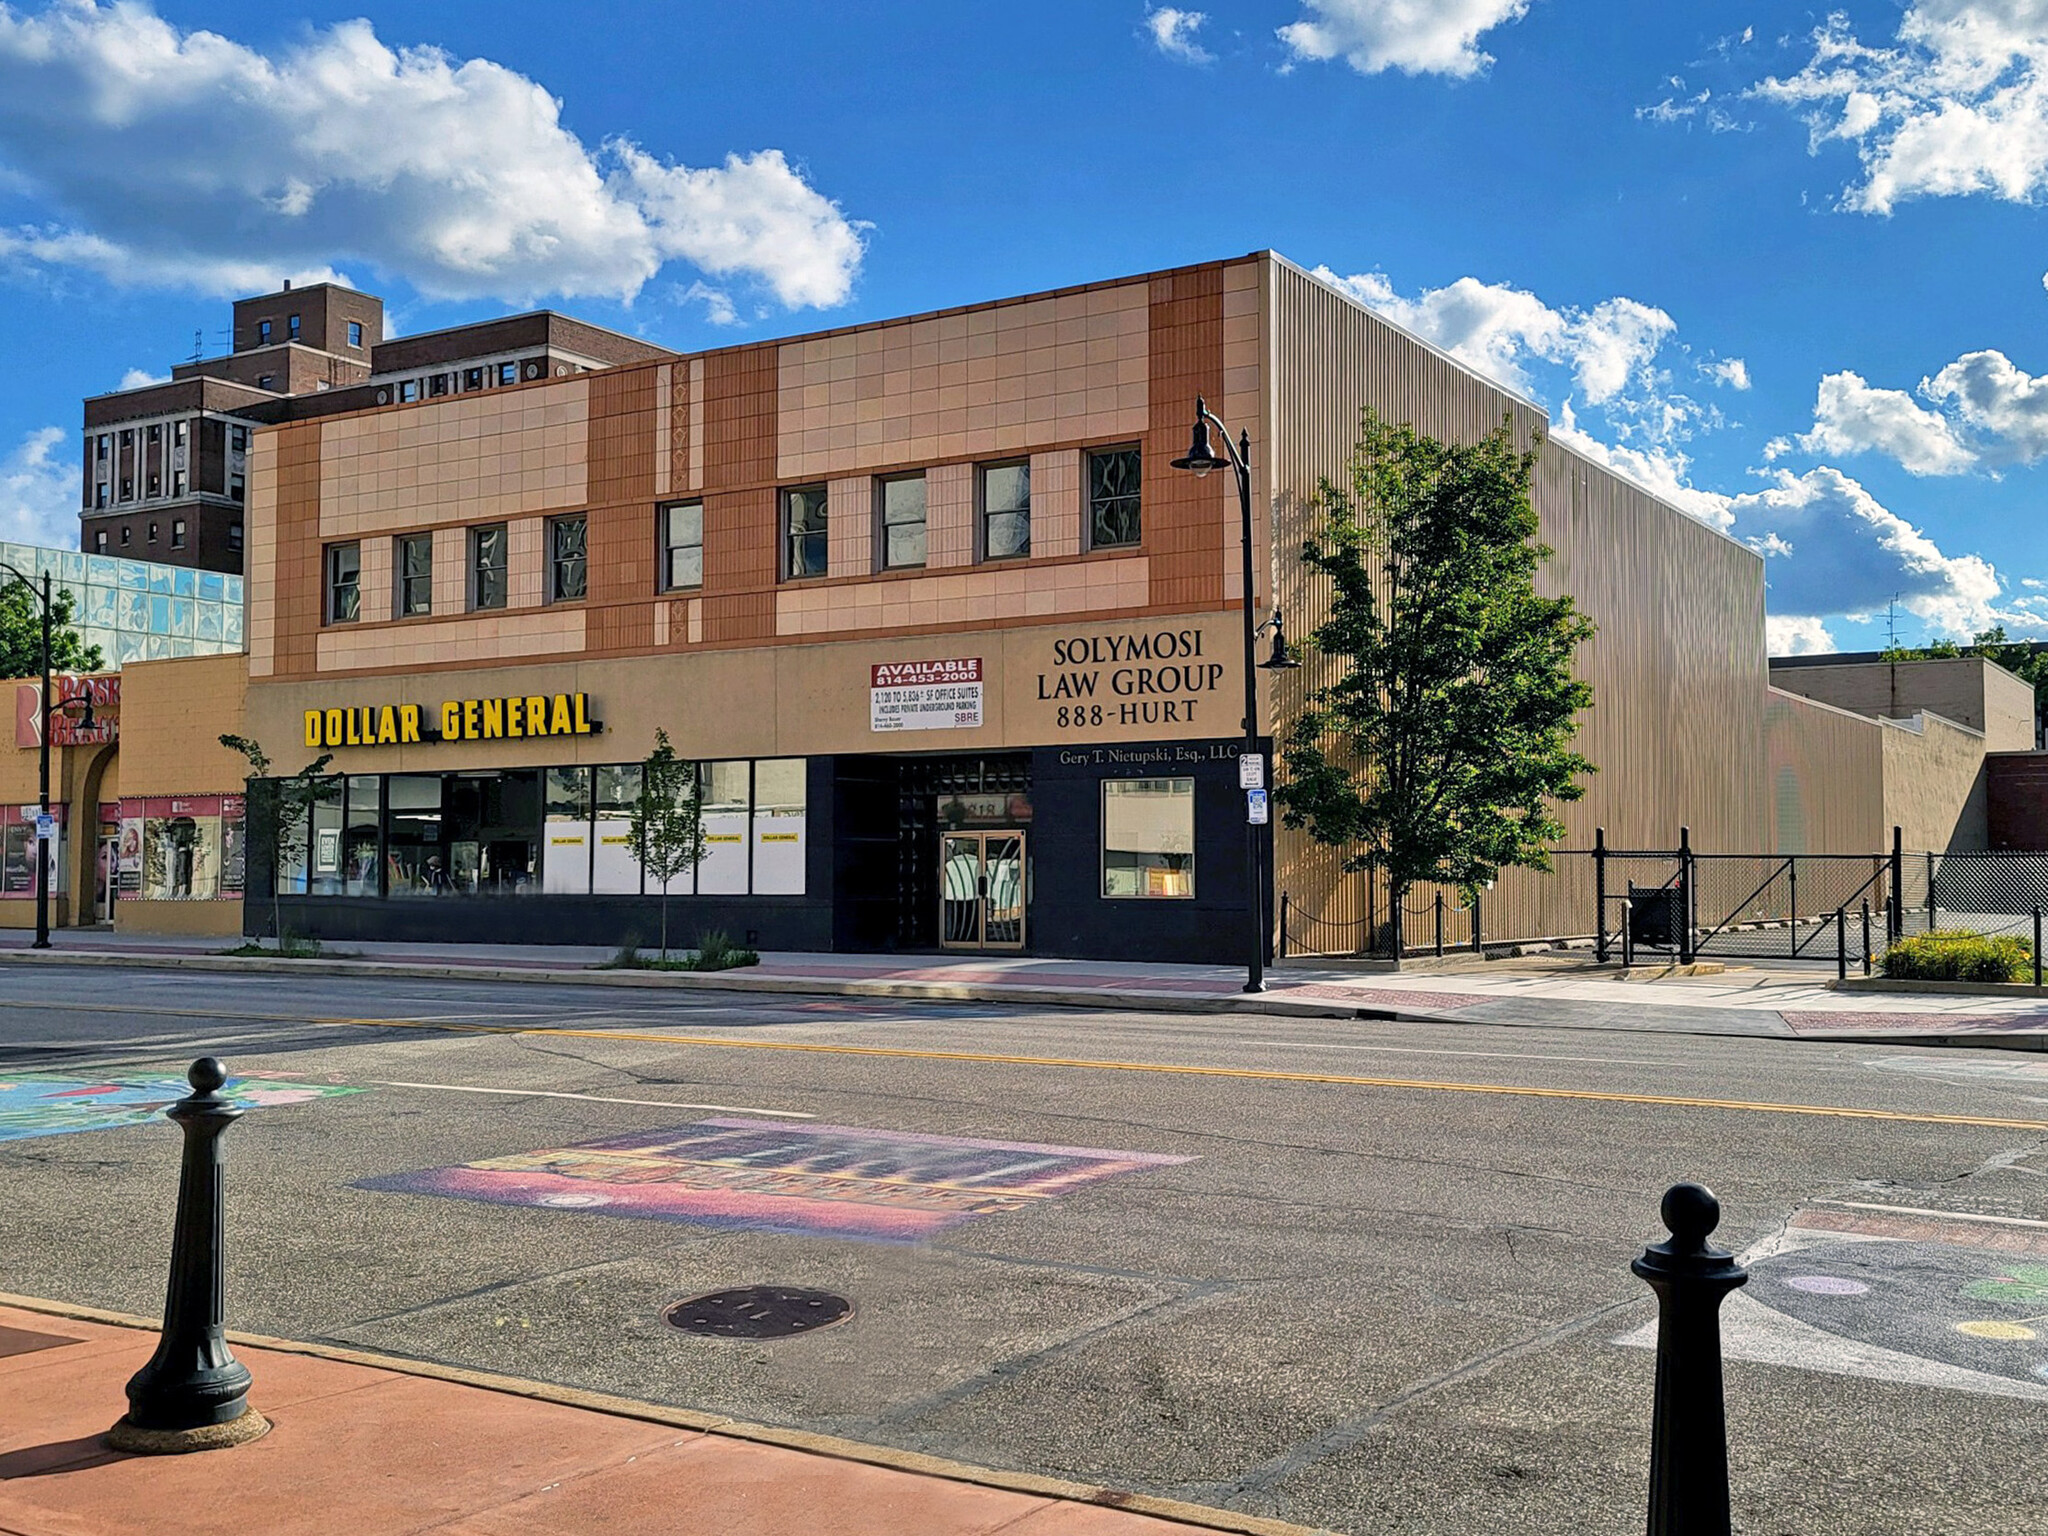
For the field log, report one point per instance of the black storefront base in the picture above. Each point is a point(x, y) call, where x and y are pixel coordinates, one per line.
point(1069, 915)
point(761, 922)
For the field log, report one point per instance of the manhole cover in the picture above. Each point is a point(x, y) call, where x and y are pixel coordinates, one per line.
point(759, 1312)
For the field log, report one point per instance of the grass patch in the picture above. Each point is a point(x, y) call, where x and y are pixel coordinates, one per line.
point(291, 948)
point(1957, 954)
point(715, 952)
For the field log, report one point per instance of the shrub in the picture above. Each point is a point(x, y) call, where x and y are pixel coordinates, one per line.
point(1954, 954)
point(717, 952)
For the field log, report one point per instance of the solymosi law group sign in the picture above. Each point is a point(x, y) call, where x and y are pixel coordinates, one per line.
point(925, 695)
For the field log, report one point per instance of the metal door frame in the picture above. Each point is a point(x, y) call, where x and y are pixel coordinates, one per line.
point(980, 839)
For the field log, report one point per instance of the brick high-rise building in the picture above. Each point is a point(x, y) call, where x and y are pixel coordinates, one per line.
point(164, 472)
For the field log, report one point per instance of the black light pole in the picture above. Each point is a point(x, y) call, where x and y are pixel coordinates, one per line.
point(1201, 459)
point(43, 762)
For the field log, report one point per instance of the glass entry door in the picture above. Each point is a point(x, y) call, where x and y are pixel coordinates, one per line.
point(981, 890)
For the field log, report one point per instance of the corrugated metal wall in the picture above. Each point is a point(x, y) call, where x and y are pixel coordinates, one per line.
point(1677, 665)
point(1826, 769)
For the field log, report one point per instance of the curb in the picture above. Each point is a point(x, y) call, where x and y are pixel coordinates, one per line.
point(833, 1446)
point(727, 981)
point(1949, 988)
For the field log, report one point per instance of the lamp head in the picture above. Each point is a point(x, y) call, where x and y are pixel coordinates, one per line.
point(78, 710)
point(1200, 457)
point(1279, 660)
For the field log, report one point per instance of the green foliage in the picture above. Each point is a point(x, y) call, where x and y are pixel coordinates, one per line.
point(2026, 659)
point(667, 823)
point(21, 633)
point(1441, 739)
point(715, 952)
point(1958, 954)
point(290, 947)
point(295, 797)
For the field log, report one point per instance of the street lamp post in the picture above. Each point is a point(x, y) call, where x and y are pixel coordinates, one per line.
point(41, 592)
point(1200, 459)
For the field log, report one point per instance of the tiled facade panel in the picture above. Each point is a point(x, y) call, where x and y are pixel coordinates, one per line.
point(524, 554)
point(624, 437)
point(949, 515)
point(377, 590)
point(740, 419)
point(964, 598)
point(464, 459)
point(475, 637)
point(1056, 503)
point(998, 380)
point(1181, 512)
point(850, 526)
point(1246, 406)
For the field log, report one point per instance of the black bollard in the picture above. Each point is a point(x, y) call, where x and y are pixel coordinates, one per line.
point(194, 1394)
point(1688, 1429)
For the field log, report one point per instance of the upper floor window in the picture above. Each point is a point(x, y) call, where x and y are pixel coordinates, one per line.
point(803, 525)
point(238, 439)
point(152, 533)
point(156, 432)
point(902, 519)
point(99, 494)
point(103, 444)
point(127, 437)
point(99, 541)
point(437, 384)
point(355, 333)
point(344, 583)
point(177, 482)
point(262, 333)
point(568, 558)
point(1005, 511)
point(508, 373)
point(127, 533)
point(415, 564)
point(156, 483)
point(236, 488)
point(266, 381)
point(472, 378)
point(127, 487)
point(682, 545)
point(178, 434)
point(234, 535)
point(408, 390)
point(291, 327)
point(488, 586)
point(177, 533)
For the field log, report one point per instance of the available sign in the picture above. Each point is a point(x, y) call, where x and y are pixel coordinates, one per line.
point(925, 695)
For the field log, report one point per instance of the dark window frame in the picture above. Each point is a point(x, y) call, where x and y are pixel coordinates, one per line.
point(478, 571)
point(568, 574)
point(793, 556)
point(333, 584)
point(404, 584)
point(669, 547)
point(984, 513)
point(177, 533)
point(1103, 506)
point(883, 560)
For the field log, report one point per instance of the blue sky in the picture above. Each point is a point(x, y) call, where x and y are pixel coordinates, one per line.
point(1786, 268)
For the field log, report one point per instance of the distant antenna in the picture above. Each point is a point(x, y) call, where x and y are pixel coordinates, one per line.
point(198, 345)
point(1891, 650)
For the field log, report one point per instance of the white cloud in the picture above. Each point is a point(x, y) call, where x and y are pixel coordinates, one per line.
point(1849, 416)
point(1173, 33)
point(1994, 395)
point(1797, 637)
point(1499, 330)
point(1661, 469)
point(1830, 547)
point(175, 158)
point(1731, 372)
point(1957, 105)
point(1417, 37)
point(39, 491)
point(137, 378)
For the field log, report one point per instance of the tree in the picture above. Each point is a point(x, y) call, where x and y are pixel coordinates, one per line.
point(667, 823)
point(1440, 738)
point(2026, 659)
point(21, 634)
point(294, 799)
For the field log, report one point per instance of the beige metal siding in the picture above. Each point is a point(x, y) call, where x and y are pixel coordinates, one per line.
point(1826, 770)
point(1677, 666)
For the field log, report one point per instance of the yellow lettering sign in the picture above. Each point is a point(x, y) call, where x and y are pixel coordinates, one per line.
point(312, 727)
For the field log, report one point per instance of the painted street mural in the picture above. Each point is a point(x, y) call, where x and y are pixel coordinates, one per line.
point(1925, 1298)
point(827, 1180)
point(39, 1104)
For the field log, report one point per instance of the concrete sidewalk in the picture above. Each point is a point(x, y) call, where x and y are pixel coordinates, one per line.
point(372, 1446)
point(1562, 993)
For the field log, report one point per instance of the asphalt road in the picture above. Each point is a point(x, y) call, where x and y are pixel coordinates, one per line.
point(1371, 1276)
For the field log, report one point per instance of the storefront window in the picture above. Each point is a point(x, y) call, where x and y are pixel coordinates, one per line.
point(18, 853)
point(326, 873)
point(565, 855)
point(779, 827)
point(234, 846)
point(493, 824)
point(615, 869)
point(728, 798)
point(361, 873)
point(1148, 837)
point(414, 864)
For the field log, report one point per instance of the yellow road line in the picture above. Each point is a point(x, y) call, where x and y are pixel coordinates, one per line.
point(1253, 1074)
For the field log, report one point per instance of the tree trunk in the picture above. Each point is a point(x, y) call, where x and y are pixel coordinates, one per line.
point(664, 920)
